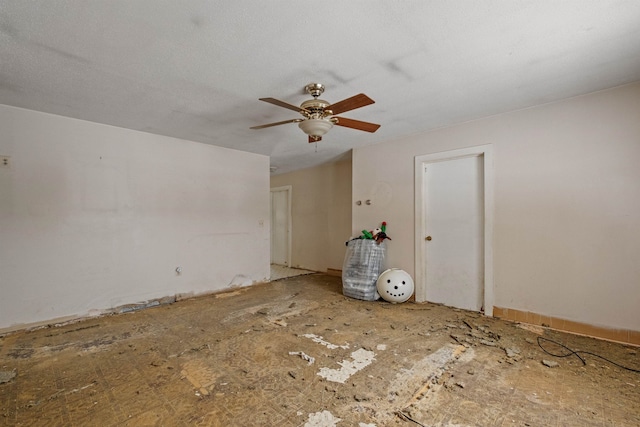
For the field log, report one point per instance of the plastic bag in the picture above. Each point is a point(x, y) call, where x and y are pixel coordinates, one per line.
point(363, 263)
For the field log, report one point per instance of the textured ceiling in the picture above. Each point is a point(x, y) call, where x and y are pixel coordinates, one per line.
point(195, 69)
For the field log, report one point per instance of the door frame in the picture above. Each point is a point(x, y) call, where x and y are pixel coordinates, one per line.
point(288, 189)
point(485, 152)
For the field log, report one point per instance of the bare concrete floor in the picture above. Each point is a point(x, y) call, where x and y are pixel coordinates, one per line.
point(296, 352)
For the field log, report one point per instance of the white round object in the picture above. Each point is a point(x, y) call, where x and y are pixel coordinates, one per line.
point(395, 285)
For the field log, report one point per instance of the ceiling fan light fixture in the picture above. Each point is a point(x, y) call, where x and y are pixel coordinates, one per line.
point(315, 127)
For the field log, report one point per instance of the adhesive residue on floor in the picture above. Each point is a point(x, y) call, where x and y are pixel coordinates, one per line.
point(360, 359)
point(322, 419)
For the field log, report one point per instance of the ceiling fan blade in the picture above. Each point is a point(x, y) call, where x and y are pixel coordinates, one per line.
point(349, 104)
point(314, 138)
point(356, 124)
point(282, 104)
point(268, 125)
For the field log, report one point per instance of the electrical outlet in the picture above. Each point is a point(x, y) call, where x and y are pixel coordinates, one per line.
point(4, 161)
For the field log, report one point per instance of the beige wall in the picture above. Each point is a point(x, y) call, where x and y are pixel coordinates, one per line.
point(567, 203)
point(94, 217)
point(321, 214)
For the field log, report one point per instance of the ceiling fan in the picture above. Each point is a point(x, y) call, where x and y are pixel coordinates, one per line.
point(319, 116)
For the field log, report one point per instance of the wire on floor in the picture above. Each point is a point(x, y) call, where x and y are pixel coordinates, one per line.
point(406, 417)
point(577, 354)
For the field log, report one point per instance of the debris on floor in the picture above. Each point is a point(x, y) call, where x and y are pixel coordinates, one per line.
point(320, 340)
point(538, 330)
point(190, 363)
point(279, 322)
point(423, 375)
point(6, 376)
point(322, 419)
point(201, 377)
point(361, 358)
point(303, 355)
point(512, 352)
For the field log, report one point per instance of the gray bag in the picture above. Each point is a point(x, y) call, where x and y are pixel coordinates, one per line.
point(363, 263)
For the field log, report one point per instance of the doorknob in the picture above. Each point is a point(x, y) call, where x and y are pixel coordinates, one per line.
point(428, 238)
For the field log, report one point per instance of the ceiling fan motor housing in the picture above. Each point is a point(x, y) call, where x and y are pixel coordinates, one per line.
point(317, 123)
point(316, 108)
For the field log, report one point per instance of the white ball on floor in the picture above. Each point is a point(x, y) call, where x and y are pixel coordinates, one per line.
point(395, 285)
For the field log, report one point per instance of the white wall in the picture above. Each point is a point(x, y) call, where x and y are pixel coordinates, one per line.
point(94, 217)
point(321, 214)
point(567, 203)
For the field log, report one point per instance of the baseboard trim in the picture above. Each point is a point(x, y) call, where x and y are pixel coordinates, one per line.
point(624, 336)
point(122, 309)
point(334, 272)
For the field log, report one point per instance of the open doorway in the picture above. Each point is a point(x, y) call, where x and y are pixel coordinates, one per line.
point(281, 226)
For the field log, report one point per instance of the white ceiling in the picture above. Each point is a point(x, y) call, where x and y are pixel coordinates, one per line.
point(195, 69)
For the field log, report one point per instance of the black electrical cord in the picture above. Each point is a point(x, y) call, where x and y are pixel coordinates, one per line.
point(577, 354)
point(406, 417)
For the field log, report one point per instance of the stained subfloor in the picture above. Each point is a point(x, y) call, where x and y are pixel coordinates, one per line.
point(296, 352)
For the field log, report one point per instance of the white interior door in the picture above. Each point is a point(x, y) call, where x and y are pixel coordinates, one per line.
point(281, 225)
point(454, 232)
